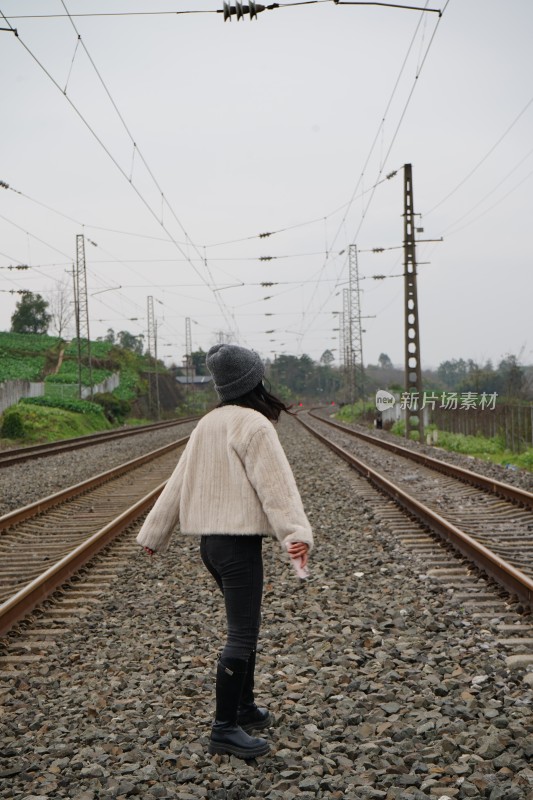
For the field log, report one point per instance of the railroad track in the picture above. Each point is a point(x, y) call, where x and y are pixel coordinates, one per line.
point(20, 454)
point(68, 529)
point(488, 522)
point(64, 531)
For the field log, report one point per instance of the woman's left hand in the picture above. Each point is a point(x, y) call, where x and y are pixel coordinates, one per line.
point(299, 550)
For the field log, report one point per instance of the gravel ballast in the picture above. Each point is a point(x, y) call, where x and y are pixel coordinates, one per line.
point(521, 478)
point(31, 480)
point(381, 684)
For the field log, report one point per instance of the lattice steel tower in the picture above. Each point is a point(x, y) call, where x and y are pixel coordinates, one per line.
point(347, 359)
point(413, 371)
point(341, 341)
point(81, 307)
point(188, 353)
point(153, 390)
point(355, 325)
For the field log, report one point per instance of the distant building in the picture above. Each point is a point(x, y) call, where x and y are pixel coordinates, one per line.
point(194, 381)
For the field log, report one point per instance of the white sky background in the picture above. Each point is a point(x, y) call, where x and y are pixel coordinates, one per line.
point(259, 126)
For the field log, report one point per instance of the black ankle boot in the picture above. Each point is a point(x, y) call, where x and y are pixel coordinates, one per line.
point(226, 735)
point(231, 739)
point(249, 716)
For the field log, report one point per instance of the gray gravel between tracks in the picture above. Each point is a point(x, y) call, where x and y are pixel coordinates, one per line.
point(521, 478)
point(31, 480)
point(381, 686)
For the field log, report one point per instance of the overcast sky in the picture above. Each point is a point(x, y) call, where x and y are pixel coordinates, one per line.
point(288, 125)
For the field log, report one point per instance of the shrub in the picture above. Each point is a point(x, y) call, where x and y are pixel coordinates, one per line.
point(12, 425)
point(524, 460)
point(115, 409)
point(78, 406)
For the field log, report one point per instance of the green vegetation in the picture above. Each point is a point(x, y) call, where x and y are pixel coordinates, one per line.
point(31, 314)
point(77, 406)
point(26, 356)
point(68, 373)
point(131, 384)
point(60, 413)
point(297, 378)
point(12, 424)
point(28, 343)
point(30, 368)
point(36, 423)
point(487, 449)
point(99, 350)
point(196, 403)
point(63, 391)
point(115, 409)
point(356, 412)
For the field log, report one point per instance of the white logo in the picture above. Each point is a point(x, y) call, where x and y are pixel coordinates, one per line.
point(384, 400)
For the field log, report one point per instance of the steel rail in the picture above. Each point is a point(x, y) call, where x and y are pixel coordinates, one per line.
point(20, 454)
point(512, 579)
point(505, 490)
point(34, 509)
point(36, 591)
point(23, 602)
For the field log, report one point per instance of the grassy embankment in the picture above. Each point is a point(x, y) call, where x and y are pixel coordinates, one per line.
point(59, 414)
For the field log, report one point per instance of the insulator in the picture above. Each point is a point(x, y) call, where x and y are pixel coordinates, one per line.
point(255, 8)
point(227, 12)
point(239, 10)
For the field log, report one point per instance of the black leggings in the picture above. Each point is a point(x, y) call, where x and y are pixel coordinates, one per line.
point(236, 563)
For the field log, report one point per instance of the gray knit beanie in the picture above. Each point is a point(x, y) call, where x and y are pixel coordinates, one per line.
point(235, 370)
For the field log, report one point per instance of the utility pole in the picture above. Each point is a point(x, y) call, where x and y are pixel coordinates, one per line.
point(188, 352)
point(413, 371)
point(153, 392)
point(355, 325)
point(81, 306)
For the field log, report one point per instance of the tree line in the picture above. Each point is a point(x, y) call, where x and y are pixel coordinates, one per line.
point(295, 377)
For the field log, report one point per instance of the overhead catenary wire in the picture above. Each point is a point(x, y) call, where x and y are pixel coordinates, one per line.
point(312, 221)
point(372, 213)
point(452, 225)
point(136, 149)
point(270, 7)
point(482, 159)
point(87, 224)
point(101, 281)
point(369, 155)
point(455, 230)
point(391, 144)
point(109, 154)
point(251, 237)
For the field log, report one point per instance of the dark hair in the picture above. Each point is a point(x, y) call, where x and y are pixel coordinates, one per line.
point(260, 400)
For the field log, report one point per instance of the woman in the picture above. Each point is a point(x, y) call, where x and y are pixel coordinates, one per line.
point(232, 486)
